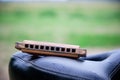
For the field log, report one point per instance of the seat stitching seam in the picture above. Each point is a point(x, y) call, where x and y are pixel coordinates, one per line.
point(115, 70)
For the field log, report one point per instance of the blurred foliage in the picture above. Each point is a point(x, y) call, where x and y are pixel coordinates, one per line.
point(82, 25)
point(48, 13)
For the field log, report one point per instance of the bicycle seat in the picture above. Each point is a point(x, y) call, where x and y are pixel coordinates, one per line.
point(104, 66)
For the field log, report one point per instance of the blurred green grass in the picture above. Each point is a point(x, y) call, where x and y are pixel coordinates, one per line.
point(82, 25)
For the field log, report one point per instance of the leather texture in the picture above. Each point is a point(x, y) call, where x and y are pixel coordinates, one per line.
point(104, 66)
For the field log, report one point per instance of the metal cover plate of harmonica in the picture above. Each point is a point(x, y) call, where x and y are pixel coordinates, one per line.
point(50, 49)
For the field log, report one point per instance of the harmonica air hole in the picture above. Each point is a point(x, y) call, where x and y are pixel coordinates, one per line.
point(31, 46)
point(57, 49)
point(47, 47)
point(36, 46)
point(62, 49)
point(73, 50)
point(68, 50)
point(26, 45)
point(52, 48)
point(41, 47)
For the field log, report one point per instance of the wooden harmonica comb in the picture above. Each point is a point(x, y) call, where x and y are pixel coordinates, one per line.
point(50, 49)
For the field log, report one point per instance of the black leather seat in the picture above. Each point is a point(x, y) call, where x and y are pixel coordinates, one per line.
point(105, 66)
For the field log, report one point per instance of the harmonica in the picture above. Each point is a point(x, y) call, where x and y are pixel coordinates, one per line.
point(50, 49)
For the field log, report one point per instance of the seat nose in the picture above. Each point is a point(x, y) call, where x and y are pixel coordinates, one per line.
point(111, 56)
point(109, 62)
point(112, 63)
